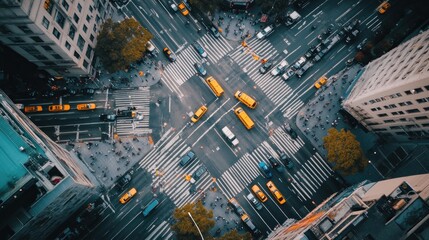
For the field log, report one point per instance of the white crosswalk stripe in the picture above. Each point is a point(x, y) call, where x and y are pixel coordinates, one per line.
point(162, 231)
point(177, 73)
point(274, 87)
point(163, 163)
point(305, 181)
point(140, 99)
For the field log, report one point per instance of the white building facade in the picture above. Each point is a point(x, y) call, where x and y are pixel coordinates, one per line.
point(58, 36)
point(391, 97)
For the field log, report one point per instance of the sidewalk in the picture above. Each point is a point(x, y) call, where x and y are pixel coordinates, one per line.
point(236, 26)
point(109, 160)
point(323, 112)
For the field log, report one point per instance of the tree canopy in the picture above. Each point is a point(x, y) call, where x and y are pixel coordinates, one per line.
point(121, 43)
point(344, 151)
point(185, 227)
point(234, 235)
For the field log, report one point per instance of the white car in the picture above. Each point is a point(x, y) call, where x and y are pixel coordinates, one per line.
point(279, 69)
point(267, 31)
point(289, 73)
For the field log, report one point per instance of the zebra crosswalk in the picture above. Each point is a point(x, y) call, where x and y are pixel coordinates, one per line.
point(163, 163)
point(140, 99)
point(177, 73)
point(305, 181)
point(162, 231)
point(249, 59)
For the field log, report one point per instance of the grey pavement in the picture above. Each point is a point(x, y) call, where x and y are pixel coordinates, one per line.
point(225, 218)
point(110, 159)
point(236, 26)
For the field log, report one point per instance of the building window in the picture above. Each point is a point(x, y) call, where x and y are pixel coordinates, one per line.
point(382, 115)
point(45, 22)
point(97, 18)
point(76, 55)
point(47, 48)
point(389, 121)
point(79, 7)
point(68, 46)
point(427, 87)
point(88, 18)
point(403, 119)
point(76, 18)
point(405, 103)
point(88, 52)
point(390, 106)
point(94, 28)
point(25, 29)
point(57, 56)
point(56, 33)
point(48, 5)
point(426, 108)
point(85, 28)
point(425, 125)
point(91, 8)
point(91, 37)
point(373, 109)
point(380, 129)
point(60, 19)
point(395, 127)
point(72, 31)
point(421, 117)
point(418, 90)
point(415, 110)
point(65, 5)
point(80, 42)
point(37, 39)
point(16, 39)
point(85, 64)
point(422, 100)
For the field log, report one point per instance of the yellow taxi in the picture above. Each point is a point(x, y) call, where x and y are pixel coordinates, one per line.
point(30, 109)
point(199, 113)
point(128, 195)
point(276, 193)
point(383, 7)
point(259, 194)
point(322, 81)
point(59, 108)
point(183, 9)
point(86, 106)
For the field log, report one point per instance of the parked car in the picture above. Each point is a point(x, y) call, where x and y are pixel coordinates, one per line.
point(254, 201)
point(352, 36)
point(287, 161)
point(198, 173)
point(265, 32)
point(200, 49)
point(289, 73)
point(259, 194)
point(183, 9)
point(169, 54)
point(274, 163)
point(215, 32)
point(275, 192)
point(107, 117)
point(298, 64)
point(124, 180)
point(265, 170)
point(200, 69)
point(236, 206)
point(265, 67)
point(280, 68)
point(362, 44)
point(187, 158)
point(128, 195)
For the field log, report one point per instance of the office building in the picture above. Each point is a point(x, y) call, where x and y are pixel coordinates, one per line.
point(41, 184)
point(391, 95)
point(58, 36)
point(390, 209)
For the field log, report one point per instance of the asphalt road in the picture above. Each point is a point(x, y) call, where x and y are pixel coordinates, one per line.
point(233, 171)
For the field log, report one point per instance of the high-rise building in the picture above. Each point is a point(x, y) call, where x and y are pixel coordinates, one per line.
point(41, 184)
point(58, 36)
point(391, 95)
point(390, 209)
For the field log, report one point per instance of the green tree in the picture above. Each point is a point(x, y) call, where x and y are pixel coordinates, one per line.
point(234, 235)
point(344, 151)
point(184, 226)
point(121, 43)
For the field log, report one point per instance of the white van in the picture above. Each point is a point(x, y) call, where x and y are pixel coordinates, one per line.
point(230, 136)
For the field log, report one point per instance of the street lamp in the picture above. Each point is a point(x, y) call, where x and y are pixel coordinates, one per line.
point(369, 161)
point(196, 225)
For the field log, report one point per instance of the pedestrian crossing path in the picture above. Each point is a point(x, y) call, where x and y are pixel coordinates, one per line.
point(177, 73)
point(310, 177)
point(163, 163)
point(305, 181)
point(162, 231)
point(140, 99)
point(249, 59)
